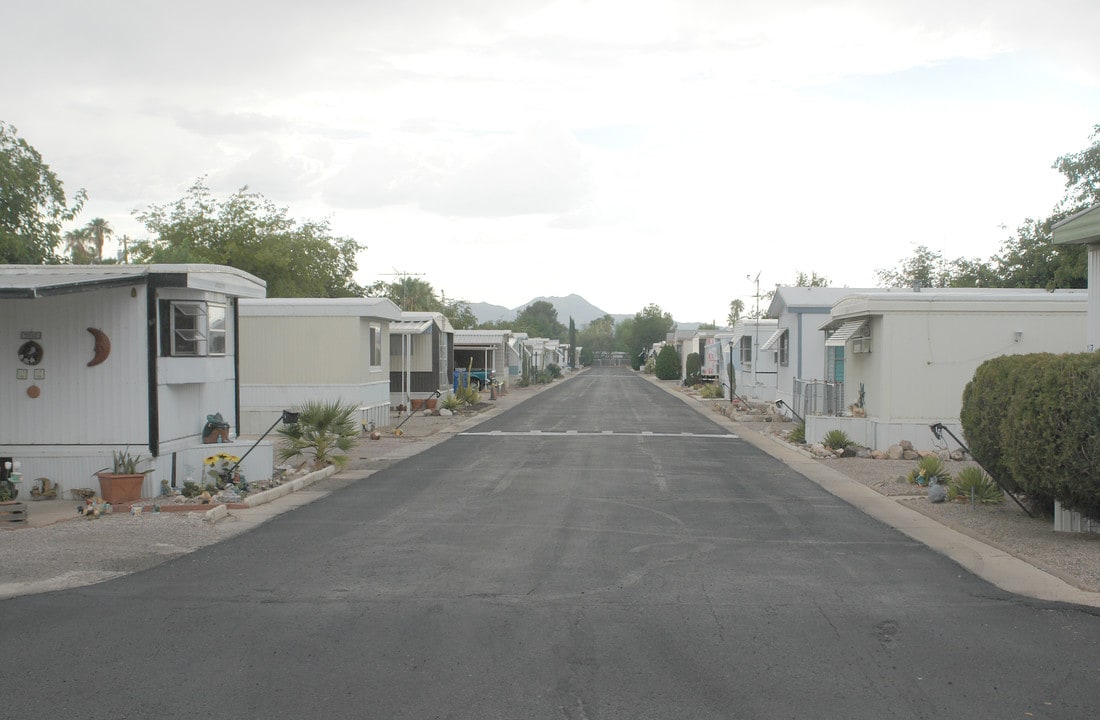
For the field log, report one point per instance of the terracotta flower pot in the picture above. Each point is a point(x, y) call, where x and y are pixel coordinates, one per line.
point(430, 403)
point(118, 489)
point(418, 404)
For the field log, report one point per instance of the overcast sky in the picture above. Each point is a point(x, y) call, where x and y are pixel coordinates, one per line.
point(630, 151)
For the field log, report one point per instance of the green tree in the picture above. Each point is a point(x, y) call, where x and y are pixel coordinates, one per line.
point(1029, 257)
point(99, 230)
point(647, 327)
point(737, 308)
point(32, 203)
point(572, 341)
point(77, 245)
point(811, 280)
point(598, 336)
point(668, 364)
point(540, 319)
point(248, 232)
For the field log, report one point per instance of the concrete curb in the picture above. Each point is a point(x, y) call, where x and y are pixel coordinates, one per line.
point(286, 488)
point(987, 562)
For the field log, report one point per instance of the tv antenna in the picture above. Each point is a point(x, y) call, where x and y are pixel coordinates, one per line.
point(402, 274)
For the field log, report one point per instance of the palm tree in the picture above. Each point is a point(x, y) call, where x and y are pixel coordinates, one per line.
point(736, 308)
point(98, 231)
point(76, 244)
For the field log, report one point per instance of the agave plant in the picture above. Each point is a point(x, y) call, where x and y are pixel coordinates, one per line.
point(836, 439)
point(974, 480)
point(327, 430)
point(930, 469)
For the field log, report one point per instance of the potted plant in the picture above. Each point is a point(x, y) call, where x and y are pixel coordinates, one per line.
point(121, 483)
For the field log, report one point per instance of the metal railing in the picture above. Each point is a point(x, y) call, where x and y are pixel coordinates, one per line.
point(818, 397)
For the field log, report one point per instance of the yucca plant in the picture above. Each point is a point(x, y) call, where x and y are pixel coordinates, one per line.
point(327, 430)
point(932, 469)
point(798, 434)
point(450, 402)
point(836, 439)
point(974, 479)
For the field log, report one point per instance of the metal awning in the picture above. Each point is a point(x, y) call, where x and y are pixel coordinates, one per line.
point(771, 341)
point(845, 332)
point(410, 327)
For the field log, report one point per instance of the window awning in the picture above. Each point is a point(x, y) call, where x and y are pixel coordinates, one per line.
point(410, 327)
point(773, 339)
point(845, 332)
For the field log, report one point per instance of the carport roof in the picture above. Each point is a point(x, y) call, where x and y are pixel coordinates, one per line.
point(33, 281)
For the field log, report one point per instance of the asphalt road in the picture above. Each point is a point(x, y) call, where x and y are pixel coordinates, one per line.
point(600, 551)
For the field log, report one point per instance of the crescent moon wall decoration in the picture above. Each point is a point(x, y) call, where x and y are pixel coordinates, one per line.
point(102, 346)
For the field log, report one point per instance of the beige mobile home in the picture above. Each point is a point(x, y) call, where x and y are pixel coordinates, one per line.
point(296, 350)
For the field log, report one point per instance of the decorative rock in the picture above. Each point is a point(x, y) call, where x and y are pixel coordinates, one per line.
point(958, 455)
point(906, 445)
point(910, 455)
point(879, 455)
point(937, 493)
point(444, 412)
point(894, 452)
point(864, 453)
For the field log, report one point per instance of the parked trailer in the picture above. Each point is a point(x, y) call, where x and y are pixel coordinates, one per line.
point(712, 361)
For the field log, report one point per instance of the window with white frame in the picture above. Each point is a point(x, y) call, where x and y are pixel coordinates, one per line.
point(784, 348)
point(746, 350)
point(376, 344)
point(861, 341)
point(194, 328)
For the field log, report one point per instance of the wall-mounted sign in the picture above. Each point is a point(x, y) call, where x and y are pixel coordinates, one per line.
point(30, 334)
point(21, 373)
point(40, 373)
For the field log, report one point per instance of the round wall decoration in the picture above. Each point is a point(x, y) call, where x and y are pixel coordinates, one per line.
point(30, 353)
point(34, 391)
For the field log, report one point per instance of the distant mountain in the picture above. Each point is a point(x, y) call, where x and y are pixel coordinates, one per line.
point(582, 311)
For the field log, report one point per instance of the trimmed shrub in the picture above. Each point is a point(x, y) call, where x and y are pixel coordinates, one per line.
point(667, 366)
point(1033, 419)
point(712, 391)
point(554, 369)
point(694, 366)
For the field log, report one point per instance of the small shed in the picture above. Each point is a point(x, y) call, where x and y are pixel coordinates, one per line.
point(296, 350)
point(105, 358)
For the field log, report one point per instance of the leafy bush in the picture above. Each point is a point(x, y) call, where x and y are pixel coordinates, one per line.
point(975, 479)
point(1032, 419)
point(932, 468)
point(712, 391)
point(554, 369)
point(667, 366)
point(836, 439)
point(694, 366)
point(327, 430)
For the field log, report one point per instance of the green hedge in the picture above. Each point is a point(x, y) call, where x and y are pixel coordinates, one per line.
point(668, 364)
point(694, 366)
point(1031, 421)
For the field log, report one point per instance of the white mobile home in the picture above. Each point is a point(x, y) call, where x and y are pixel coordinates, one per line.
point(297, 350)
point(908, 355)
point(106, 358)
point(756, 370)
point(803, 368)
point(1084, 229)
